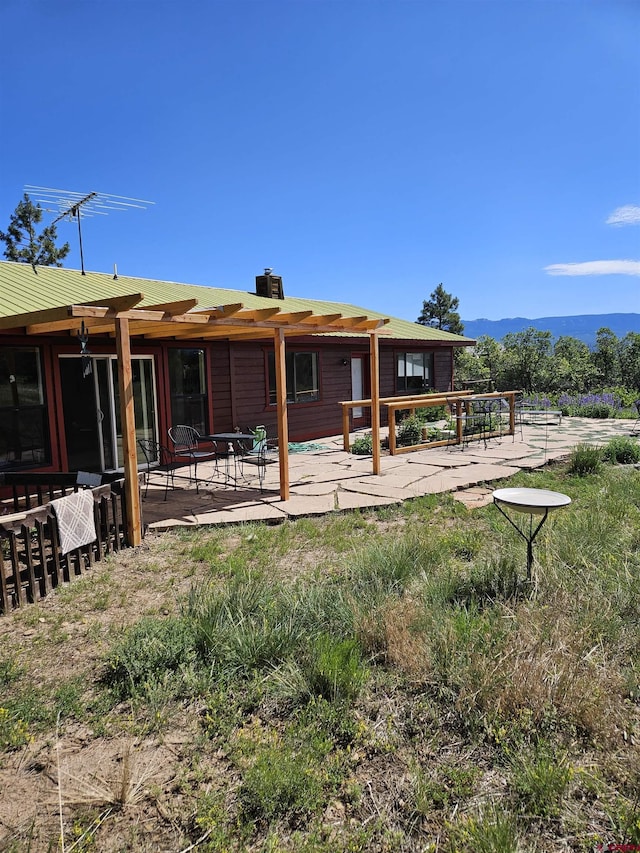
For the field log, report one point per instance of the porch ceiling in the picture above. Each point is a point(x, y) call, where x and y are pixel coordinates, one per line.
point(182, 320)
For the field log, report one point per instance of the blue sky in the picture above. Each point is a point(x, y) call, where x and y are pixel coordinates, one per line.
point(366, 150)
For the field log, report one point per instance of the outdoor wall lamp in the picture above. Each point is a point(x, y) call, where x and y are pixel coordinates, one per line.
point(344, 362)
point(83, 337)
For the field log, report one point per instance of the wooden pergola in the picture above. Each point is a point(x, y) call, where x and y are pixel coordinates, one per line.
point(120, 317)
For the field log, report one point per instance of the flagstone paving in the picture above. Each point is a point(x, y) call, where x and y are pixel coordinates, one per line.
point(330, 480)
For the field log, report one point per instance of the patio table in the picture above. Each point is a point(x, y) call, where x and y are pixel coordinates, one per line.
point(235, 440)
point(533, 502)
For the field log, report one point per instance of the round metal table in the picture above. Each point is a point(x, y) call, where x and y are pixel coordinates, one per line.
point(536, 503)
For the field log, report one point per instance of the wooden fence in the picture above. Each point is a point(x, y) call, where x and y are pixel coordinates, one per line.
point(31, 560)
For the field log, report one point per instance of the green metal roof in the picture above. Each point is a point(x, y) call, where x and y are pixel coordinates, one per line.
point(24, 289)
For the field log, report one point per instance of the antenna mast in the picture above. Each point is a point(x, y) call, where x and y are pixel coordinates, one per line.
point(74, 211)
point(73, 205)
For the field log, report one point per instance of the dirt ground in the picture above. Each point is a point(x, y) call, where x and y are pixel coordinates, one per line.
point(122, 789)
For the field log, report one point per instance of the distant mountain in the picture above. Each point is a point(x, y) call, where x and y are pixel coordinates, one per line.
point(581, 326)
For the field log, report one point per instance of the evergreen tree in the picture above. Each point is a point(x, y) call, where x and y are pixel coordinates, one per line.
point(22, 242)
point(440, 312)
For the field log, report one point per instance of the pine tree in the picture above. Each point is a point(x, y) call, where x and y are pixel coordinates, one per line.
point(440, 312)
point(22, 242)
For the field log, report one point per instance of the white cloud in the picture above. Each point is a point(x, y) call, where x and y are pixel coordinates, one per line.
point(596, 268)
point(627, 215)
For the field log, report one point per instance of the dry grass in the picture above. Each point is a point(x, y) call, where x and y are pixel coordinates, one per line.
point(475, 687)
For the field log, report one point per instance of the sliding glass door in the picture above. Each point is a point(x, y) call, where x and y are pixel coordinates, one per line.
point(91, 407)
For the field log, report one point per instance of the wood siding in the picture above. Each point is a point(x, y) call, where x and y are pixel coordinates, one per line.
point(249, 394)
point(220, 383)
point(237, 379)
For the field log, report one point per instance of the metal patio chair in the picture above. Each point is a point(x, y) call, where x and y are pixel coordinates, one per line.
point(518, 404)
point(636, 426)
point(157, 458)
point(477, 421)
point(264, 452)
point(185, 441)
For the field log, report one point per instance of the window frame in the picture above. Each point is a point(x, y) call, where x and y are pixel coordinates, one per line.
point(290, 357)
point(427, 383)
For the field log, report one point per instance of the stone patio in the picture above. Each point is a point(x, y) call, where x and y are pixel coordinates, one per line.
point(330, 480)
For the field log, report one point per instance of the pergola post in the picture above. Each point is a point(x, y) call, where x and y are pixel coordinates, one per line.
point(127, 420)
point(123, 316)
point(375, 400)
point(281, 402)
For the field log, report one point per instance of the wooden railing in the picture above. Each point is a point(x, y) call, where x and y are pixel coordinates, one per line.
point(457, 403)
point(31, 560)
point(419, 401)
point(454, 400)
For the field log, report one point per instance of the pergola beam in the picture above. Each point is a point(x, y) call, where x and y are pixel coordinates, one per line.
point(62, 312)
point(173, 308)
point(178, 320)
point(165, 321)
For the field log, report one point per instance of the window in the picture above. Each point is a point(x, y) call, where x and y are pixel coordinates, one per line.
point(188, 388)
point(302, 377)
point(415, 371)
point(24, 425)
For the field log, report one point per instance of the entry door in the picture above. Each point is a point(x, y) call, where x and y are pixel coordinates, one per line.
point(91, 410)
point(360, 388)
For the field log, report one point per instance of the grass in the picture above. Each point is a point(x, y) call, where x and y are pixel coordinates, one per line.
point(372, 681)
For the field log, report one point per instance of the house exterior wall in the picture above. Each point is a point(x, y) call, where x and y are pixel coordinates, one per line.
point(249, 392)
point(237, 382)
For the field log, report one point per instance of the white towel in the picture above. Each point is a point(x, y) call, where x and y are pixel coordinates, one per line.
point(75, 520)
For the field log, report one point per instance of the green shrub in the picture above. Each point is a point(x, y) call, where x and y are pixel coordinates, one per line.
point(250, 624)
point(625, 396)
point(151, 652)
point(585, 459)
point(362, 446)
point(431, 414)
point(213, 818)
point(540, 780)
point(625, 817)
point(384, 568)
point(621, 450)
point(434, 434)
point(596, 410)
point(280, 783)
point(440, 790)
point(409, 431)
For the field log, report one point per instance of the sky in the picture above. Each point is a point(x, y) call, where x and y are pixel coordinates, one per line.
point(365, 150)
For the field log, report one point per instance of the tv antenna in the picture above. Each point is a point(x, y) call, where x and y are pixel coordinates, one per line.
point(71, 205)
